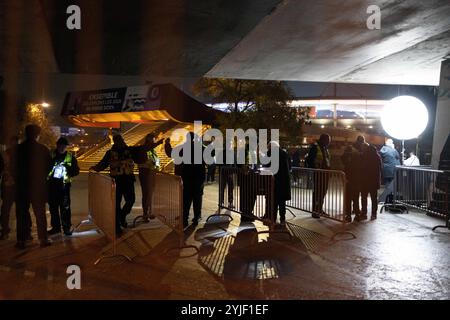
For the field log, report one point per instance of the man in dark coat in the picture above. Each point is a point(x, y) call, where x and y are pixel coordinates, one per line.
point(282, 177)
point(33, 166)
point(351, 160)
point(319, 158)
point(372, 180)
point(193, 175)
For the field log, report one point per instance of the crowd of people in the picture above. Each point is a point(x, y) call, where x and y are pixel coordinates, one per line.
point(32, 176)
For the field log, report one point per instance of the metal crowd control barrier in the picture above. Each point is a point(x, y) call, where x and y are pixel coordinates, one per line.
point(249, 193)
point(167, 204)
point(321, 192)
point(102, 210)
point(423, 189)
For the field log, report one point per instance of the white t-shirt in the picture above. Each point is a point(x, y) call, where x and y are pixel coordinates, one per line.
point(412, 161)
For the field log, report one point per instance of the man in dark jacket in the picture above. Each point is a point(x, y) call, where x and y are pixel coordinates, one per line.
point(351, 160)
point(319, 158)
point(64, 168)
point(372, 180)
point(193, 175)
point(282, 186)
point(33, 166)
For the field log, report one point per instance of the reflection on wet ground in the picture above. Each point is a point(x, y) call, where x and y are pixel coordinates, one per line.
point(395, 257)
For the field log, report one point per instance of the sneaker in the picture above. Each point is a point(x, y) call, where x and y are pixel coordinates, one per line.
point(54, 231)
point(67, 232)
point(348, 219)
point(315, 216)
point(45, 243)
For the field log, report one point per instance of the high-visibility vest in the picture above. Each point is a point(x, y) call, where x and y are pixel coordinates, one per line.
point(322, 158)
point(67, 163)
point(152, 161)
point(121, 164)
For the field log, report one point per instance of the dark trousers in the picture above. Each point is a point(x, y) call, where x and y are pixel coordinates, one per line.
point(192, 194)
point(320, 181)
point(147, 180)
point(24, 220)
point(211, 173)
point(125, 190)
point(8, 198)
point(226, 180)
point(373, 197)
point(351, 200)
point(280, 205)
point(59, 203)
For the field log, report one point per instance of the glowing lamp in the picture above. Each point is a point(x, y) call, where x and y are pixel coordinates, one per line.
point(404, 118)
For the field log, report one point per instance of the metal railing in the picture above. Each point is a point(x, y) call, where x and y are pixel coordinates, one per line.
point(321, 192)
point(424, 189)
point(167, 203)
point(102, 210)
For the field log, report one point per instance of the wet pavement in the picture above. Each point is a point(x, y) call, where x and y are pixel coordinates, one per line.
point(394, 257)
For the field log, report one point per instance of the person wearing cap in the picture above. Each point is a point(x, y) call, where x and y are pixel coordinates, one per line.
point(64, 168)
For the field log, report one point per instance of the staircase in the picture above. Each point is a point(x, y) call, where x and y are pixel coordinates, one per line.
point(132, 137)
point(136, 136)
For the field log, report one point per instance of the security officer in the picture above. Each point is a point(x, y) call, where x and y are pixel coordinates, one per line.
point(121, 165)
point(148, 166)
point(319, 158)
point(64, 168)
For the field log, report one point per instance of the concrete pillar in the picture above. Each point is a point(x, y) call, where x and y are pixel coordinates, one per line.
point(442, 126)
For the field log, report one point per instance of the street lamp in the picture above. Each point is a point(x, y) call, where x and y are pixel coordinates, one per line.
point(45, 104)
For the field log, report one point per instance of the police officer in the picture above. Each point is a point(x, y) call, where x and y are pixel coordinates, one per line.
point(64, 168)
point(147, 170)
point(319, 158)
point(121, 165)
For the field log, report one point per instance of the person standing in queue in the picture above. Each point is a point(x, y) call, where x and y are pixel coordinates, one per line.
point(64, 169)
point(8, 186)
point(351, 160)
point(33, 165)
point(121, 165)
point(319, 158)
point(148, 165)
point(391, 159)
point(372, 180)
point(193, 176)
point(282, 177)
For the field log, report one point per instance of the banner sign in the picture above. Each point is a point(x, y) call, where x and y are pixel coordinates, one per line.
point(131, 99)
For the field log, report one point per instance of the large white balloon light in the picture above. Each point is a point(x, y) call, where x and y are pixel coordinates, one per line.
point(404, 118)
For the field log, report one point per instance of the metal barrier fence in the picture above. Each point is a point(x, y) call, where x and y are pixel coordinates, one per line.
point(247, 192)
point(102, 209)
point(167, 204)
point(423, 189)
point(321, 192)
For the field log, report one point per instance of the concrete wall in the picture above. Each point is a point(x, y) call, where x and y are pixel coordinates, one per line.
point(442, 126)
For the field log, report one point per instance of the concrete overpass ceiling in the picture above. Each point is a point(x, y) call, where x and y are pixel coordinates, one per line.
point(328, 41)
point(169, 38)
